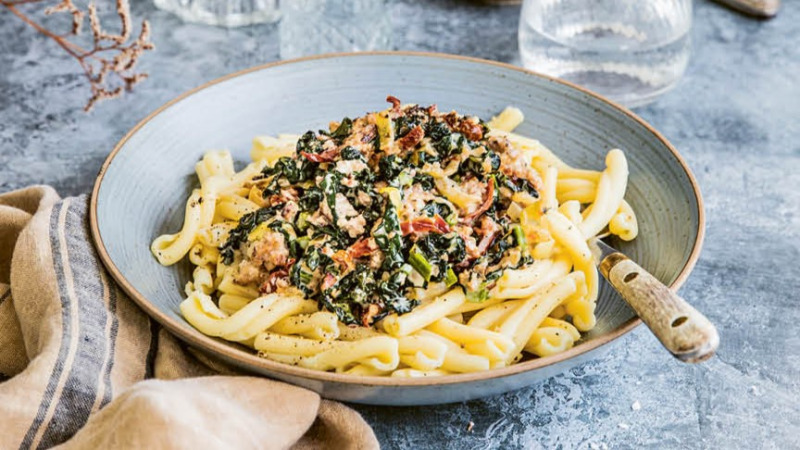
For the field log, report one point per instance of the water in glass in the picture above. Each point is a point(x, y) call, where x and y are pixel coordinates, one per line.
point(310, 27)
point(628, 50)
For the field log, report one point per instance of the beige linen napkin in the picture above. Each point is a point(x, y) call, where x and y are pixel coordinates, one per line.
point(82, 366)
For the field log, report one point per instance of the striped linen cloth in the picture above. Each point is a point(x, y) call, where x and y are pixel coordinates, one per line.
point(82, 367)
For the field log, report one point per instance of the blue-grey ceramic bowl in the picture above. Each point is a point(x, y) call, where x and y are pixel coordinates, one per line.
point(142, 187)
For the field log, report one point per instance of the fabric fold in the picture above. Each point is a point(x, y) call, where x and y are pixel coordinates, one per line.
point(215, 412)
point(78, 357)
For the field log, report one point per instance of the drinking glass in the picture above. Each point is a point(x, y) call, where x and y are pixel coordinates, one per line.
point(310, 27)
point(227, 13)
point(631, 51)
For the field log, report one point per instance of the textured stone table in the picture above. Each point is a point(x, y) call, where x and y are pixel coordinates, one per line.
point(736, 119)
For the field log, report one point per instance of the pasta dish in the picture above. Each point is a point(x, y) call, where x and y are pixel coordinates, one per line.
point(407, 242)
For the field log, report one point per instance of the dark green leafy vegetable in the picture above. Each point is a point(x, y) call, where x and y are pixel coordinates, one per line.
point(480, 166)
point(366, 178)
point(424, 157)
point(343, 130)
point(290, 169)
point(391, 293)
point(389, 167)
point(389, 239)
point(440, 251)
point(308, 143)
point(516, 185)
point(350, 296)
point(311, 199)
point(499, 247)
point(413, 117)
point(330, 187)
point(425, 181)
point(512, 237)
point(302, 272)
point(362, 276)
point(338, 238)
point(239, 234)
point(369, 209)
point(355, 287)
point(350, 153)
point(449, 145)
point(343, 310)
point(436, 130)
point(289, 235)
point(439, 208)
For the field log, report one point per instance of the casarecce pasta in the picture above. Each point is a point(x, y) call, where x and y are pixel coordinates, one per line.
point(404, 243)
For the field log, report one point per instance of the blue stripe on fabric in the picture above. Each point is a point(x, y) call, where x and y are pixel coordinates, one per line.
point(5, 296)
point(112, 306)
point(86, 372)
point(150, 361)
point(66, 331)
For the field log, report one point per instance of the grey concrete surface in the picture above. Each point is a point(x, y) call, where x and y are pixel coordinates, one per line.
point(736, 119)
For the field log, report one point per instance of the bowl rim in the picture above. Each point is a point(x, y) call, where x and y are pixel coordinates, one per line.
point(231, 353)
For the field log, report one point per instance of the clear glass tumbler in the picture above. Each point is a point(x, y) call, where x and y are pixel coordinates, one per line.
point(310, 27)
point(631, 51)
point(226, 13)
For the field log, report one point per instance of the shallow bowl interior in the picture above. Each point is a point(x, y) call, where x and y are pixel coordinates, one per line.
point(142, 187)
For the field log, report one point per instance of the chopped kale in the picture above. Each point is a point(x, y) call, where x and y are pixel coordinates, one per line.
point(311, 199)
point(365, 177)
point(512, 237)
point(412, 118)
point(440, 251)
point(424, 180)
point(449, 145)
point(389, 167)
point(357, 286)
point(293, 170)
point(388, 236)
point(516, 184)
point(370, 209)
point(343, 130)
point(436, 130)
point(480, 166)
point(424, 157)
point(350, 153)
point(330, 187)
point(308, 143)
point(238, 235)
point(301, 278)
point(338, 270)
point(392, 294)
point(339, 239)
point(438, 208)
point(289, 236)
point(351, 294)
point(342, 309)
point(302, 272)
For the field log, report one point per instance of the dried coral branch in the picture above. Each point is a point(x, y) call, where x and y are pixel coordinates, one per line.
point(110, 65)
